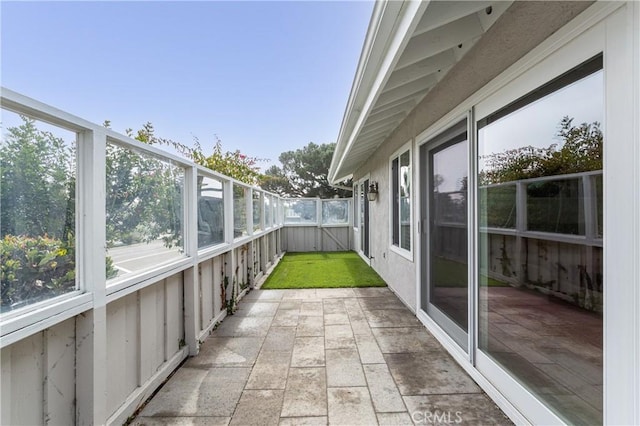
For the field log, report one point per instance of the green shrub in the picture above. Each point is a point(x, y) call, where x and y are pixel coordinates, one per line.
point(37, 268)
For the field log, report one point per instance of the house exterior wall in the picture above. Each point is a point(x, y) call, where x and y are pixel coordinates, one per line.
point(528, 47)
point(522, 27)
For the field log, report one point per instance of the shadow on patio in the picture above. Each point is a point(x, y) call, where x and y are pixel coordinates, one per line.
point(323, 356)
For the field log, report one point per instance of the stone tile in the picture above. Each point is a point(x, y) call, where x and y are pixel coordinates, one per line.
point(333, 293)
point(287, 305)
point(279, 339)
point(263, 295)
point(338, 336)
point(270, 371)
point(360, 327)
point(424, 373)
point(394, 419)
point(333, 319)
point(306, 294)
point(196, 392)
point(311, 308)
point(350, 406)
point(306, 393)
point(383, 390)
point(303, 421)
point(257, 309)
point(286, 318)
point(308, 352)
point(333, 306)
point(368, 349)
point(181, 421)
point(227, 352)
point(310, 326)
point(405, 339)
point(391, 318)
point(378, 303)
point(343, 368)
point(373, 292)
point(243, 326)
point(258, 407)
point(472, 409)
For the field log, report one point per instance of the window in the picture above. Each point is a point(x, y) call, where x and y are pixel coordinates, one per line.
point(401, 200)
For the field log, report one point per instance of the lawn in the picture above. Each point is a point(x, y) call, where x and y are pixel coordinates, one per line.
point(322, 270)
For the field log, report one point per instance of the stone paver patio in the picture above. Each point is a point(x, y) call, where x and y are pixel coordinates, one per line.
point(317, 357)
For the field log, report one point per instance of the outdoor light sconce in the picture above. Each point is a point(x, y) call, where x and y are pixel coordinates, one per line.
point(373, 191)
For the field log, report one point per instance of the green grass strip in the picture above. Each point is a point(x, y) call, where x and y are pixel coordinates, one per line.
point(322, 270)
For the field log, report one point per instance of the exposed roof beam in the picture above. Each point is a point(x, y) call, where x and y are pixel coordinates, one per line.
point(427, 66)
point(443, 12)
point(387, 118)
point(407, 90)
point(440, 39)
point(403, 107)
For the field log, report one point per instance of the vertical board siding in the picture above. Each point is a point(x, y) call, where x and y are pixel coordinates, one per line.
point(311, 238)
point(206, 293)
point(60, 385)
point(218, 264)
point(151, 330)
point(22, 370)
point(174, 330)
point(122, 346)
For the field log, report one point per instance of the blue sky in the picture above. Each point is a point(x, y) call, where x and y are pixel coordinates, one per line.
point(266, 77)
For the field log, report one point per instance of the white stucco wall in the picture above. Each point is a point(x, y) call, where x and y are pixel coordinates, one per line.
point(522, 27)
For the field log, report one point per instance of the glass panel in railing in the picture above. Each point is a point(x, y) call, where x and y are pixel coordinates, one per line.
point(300, 212)
point(335, 212)
point(257, 211)
point(502, 199)
point(37, 211)
point(210, 211)
point(144, 207)
point(267, 211)
point(239, 211)
point(556, 206)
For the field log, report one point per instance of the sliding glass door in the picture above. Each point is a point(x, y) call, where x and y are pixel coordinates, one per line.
point(445, 284)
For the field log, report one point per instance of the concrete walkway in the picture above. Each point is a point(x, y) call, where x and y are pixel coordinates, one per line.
point(316, 357)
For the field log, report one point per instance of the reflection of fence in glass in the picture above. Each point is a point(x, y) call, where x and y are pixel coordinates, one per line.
point(38, 205)
point(335, 212)
point(144, 209)
point(555, 243)
point(210, 212)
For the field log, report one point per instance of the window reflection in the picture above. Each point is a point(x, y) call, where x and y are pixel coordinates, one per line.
point(540, 246)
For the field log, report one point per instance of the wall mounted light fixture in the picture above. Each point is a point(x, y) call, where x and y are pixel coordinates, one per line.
point(372, 195)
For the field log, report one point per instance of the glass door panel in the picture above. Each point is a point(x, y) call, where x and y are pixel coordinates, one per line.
point(445, 286)
point(540, 242)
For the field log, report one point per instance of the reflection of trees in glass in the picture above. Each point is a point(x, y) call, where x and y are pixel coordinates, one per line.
point(239, 211)
point(144, 198)
point(335, 211)
point(579, 151)
point(502, 213)
point(37, 215)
